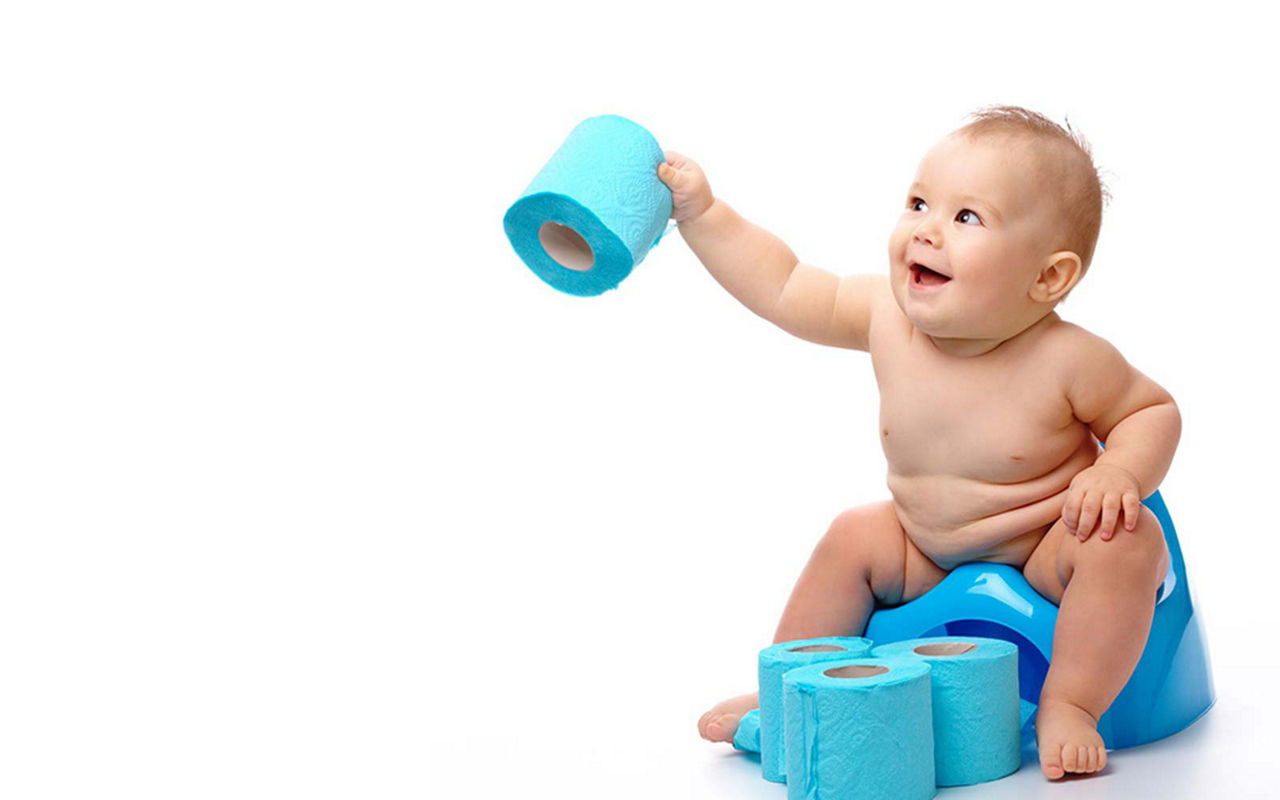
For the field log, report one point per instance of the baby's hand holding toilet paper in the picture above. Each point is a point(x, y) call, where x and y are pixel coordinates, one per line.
point(690, 191)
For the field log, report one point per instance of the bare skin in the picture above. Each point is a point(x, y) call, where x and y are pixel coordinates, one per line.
point(991, 410)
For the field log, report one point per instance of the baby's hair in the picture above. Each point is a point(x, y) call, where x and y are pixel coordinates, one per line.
point(1083, 192)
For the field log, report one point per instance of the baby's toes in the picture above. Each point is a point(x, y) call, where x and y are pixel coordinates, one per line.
point(710, 726)
point(722, 728)
point(1099, 759)
point(1068, 739)
point(702, 723)
point(1051, 762)
point(721, 722)
point(1071, 757)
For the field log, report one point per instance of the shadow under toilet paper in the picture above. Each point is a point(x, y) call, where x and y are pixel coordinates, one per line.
point(859, 728)
point(595, 210)
point(774, 661)
point(977, 716)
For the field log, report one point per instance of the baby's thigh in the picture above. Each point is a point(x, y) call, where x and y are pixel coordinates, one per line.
point(1041, 568)
point(872, 540)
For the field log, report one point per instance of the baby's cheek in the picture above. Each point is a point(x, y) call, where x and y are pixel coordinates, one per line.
point(898, 243)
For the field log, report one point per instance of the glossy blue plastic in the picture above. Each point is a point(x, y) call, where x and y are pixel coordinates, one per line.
point(1171, 687)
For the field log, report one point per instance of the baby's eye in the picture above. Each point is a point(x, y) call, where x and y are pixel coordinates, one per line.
point(916, 204)
point(967, 217)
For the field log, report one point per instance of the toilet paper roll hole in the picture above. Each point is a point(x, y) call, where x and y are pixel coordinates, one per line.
point(566, 246)
point(945, 649)
point(856, 671)
point(817, 648)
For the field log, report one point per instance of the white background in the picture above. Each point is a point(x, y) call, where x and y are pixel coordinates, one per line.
point(309, 487)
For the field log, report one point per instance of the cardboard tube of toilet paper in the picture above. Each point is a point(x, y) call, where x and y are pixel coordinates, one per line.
point(773, 664)
point(596, 208)
point(859, 728)
point(976, 709)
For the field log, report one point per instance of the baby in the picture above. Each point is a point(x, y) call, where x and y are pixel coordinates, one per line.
point(991, 409)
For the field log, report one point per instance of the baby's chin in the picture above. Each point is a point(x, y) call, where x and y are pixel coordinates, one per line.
point(937, 327)
point(936, 331)
point(926, 320)
point(943, 320)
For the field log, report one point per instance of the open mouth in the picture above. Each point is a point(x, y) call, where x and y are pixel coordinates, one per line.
point(925, 277)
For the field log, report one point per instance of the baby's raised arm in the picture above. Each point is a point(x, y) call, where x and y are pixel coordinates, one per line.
point(761, 271)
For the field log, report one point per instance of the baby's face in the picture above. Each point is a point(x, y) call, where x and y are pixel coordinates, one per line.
point(972, 239)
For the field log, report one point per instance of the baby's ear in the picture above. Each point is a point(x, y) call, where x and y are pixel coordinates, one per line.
point(1057, 277)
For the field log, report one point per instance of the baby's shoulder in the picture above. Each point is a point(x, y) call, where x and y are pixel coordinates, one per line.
point(1079, 352)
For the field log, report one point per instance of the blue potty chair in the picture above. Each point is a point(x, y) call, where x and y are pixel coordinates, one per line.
point(1171, 687)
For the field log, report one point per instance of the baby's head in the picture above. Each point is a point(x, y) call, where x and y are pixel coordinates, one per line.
point(999, 226)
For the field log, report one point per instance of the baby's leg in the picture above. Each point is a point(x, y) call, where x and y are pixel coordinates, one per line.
point(1106, 591)
point(864, 557)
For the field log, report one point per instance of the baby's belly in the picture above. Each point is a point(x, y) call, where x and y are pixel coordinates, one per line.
point(954, 519)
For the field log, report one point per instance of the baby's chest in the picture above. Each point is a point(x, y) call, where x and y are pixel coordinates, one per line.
point(1000, 421)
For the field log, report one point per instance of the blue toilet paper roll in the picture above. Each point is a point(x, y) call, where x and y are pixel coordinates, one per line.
point(747, 737)
point(595, 210)
point(859, 728)
point(976, 709)
point(774, 662)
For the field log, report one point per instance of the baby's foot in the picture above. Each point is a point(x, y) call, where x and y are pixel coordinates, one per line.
point(721, 722)
point(1068, 739)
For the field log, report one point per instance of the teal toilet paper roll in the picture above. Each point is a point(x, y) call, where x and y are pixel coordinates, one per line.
point(859, 728)
point(747, 737)
point(976, 710)
point(774, 662)
point(595, 210)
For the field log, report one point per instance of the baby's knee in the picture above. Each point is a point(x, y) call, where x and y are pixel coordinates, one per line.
point(869, 545)
point(865, 535)
point(847, 533)
point(1140, 552)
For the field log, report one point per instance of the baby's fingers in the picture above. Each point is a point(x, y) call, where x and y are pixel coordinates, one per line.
point(1110, 513)
point(1071, 510)
point(1132, 503)
point(1088, 514)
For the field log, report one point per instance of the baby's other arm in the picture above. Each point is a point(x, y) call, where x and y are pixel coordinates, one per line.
point(1138, 422)
point(762, 272)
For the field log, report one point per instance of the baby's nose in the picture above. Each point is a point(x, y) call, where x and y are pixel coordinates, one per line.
point(926, 235)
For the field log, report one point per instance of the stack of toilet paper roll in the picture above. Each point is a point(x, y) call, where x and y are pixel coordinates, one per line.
point(891, 722)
